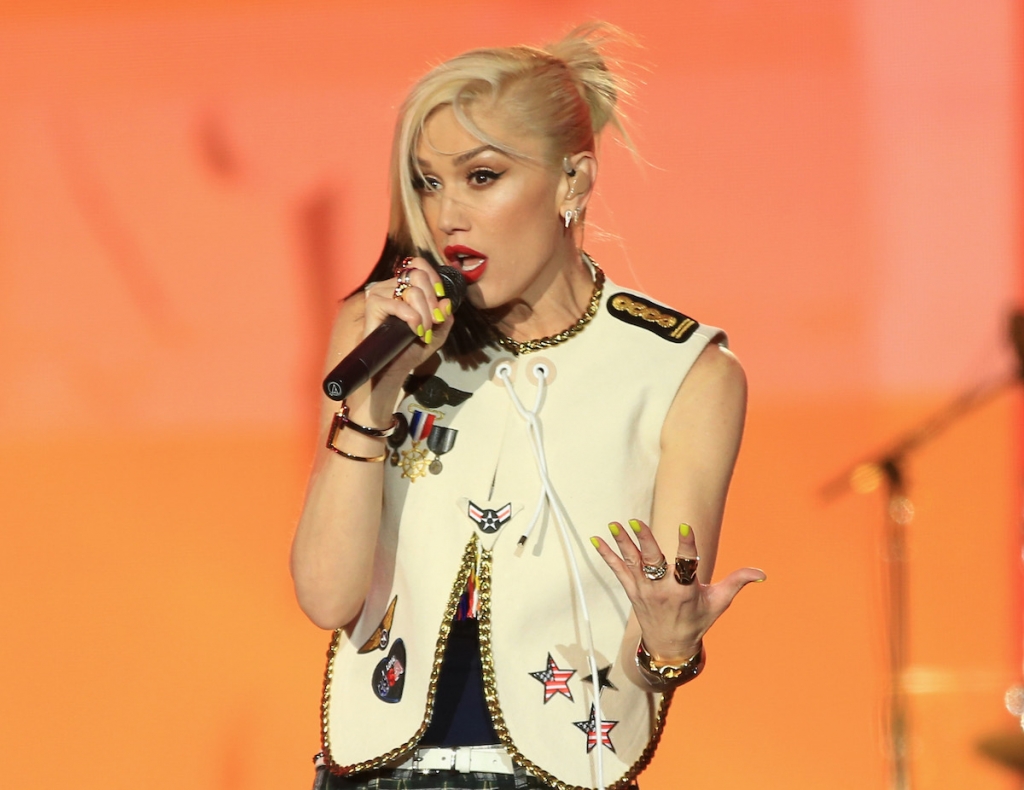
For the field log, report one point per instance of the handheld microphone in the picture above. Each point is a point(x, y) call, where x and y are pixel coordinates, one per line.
point(384, 343)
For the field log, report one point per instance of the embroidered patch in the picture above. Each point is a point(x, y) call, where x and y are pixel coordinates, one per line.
point(590, 728)
point(663, 321)
point(602, 679)
point(490, 521)
point(379, 639)
point(555, 680)
point(434, 392)
point(389, 675)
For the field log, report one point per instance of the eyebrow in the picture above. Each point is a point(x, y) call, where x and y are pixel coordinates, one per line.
point(465, 156)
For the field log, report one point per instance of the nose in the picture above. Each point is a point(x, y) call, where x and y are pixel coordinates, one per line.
point(451, 215)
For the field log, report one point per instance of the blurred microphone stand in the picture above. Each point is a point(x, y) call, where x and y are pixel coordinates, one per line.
point(887, 468)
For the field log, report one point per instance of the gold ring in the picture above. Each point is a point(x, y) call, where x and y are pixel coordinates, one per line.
point(403, 276)
point(686, 570)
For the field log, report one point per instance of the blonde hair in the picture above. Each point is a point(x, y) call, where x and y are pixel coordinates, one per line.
point(563, 93)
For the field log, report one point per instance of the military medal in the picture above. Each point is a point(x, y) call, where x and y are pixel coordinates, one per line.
point(396, 439)
point(414, 460)
point(418, 461)
point(440, 441)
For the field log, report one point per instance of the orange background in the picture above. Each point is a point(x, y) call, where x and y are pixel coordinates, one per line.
point(187, 187)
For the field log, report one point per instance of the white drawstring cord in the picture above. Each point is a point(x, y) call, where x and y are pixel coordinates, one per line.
point(548, 494)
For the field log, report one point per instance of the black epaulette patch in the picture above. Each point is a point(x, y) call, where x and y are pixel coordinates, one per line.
point(661, 320)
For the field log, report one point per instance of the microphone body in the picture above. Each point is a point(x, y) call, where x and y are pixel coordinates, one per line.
point(383, 344)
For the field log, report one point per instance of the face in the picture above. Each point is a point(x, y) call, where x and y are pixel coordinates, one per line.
point(493, 216)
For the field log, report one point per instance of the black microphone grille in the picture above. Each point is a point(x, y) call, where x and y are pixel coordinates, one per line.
point(454, 285)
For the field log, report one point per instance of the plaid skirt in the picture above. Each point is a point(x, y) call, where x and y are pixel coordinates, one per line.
point(396, 779)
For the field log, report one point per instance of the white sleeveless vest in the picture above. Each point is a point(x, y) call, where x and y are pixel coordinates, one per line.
point(462, 487)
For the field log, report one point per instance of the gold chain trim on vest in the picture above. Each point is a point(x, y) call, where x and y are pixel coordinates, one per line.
point(469, 561)
point(526, 346)
point(491, 695)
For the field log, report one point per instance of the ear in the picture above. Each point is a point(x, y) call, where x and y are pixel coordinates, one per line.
point(577, 182)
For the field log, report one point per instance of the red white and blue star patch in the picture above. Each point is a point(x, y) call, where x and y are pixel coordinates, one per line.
point(590, 728)
point(555, 680)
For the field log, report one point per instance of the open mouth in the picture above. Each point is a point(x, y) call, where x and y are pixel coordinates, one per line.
point(468, 261)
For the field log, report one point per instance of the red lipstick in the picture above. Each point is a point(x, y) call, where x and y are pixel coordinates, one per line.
point(470, 262)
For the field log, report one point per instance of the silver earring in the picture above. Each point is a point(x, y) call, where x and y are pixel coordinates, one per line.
point(568, 218)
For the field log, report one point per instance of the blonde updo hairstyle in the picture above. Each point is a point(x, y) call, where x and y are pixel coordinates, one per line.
point(563, 93)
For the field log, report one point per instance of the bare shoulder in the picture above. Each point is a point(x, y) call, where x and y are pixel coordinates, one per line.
point(715, 383)
point(716, 367)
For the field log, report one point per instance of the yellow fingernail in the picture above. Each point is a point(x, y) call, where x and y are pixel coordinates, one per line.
point(614, 529)
point(428, 336)
point(635, 525)
point(448, 308)
point(438, 316)
point(439, 289)
point(596, 542)
point(419, 330)
point(684, 530)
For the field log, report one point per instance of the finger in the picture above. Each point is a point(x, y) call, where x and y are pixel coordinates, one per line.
point(628, 550)
point(617, 566)
point(426, 277)
point(722, 594)
point(418, 299)
point(687, 543)
point(380, 303)
point(436, 284)
point(650, 551)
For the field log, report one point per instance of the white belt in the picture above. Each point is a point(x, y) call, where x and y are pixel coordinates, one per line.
point(464, 759)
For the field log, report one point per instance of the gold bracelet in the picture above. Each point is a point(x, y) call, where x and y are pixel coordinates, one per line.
point(668, 676)
point(375, 433)
point(341, 421)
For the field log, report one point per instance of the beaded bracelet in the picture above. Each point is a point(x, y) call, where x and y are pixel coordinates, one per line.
point(341, 420)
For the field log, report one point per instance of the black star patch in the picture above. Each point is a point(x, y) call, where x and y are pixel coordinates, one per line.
point(602, 679)
point(590, 728)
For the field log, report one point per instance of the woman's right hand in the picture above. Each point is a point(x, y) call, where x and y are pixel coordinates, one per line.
point(334, 544)
point(423, 306)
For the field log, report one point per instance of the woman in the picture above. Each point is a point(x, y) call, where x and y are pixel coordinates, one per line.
point(479, 642)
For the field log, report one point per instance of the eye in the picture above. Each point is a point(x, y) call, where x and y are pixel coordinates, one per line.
point(426, 184)
point(483, 176)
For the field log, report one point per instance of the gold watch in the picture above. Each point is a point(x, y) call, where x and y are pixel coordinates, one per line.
point(668, 675)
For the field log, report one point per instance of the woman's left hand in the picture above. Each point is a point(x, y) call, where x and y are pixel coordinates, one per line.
point(673, 615)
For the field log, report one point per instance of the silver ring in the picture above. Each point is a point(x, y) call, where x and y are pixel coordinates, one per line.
point(655, 572)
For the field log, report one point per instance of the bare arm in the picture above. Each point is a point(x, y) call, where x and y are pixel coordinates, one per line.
point(700, 441)
point(334, 544)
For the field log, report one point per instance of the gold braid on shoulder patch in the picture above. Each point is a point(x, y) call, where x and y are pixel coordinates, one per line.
point(663, 321)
